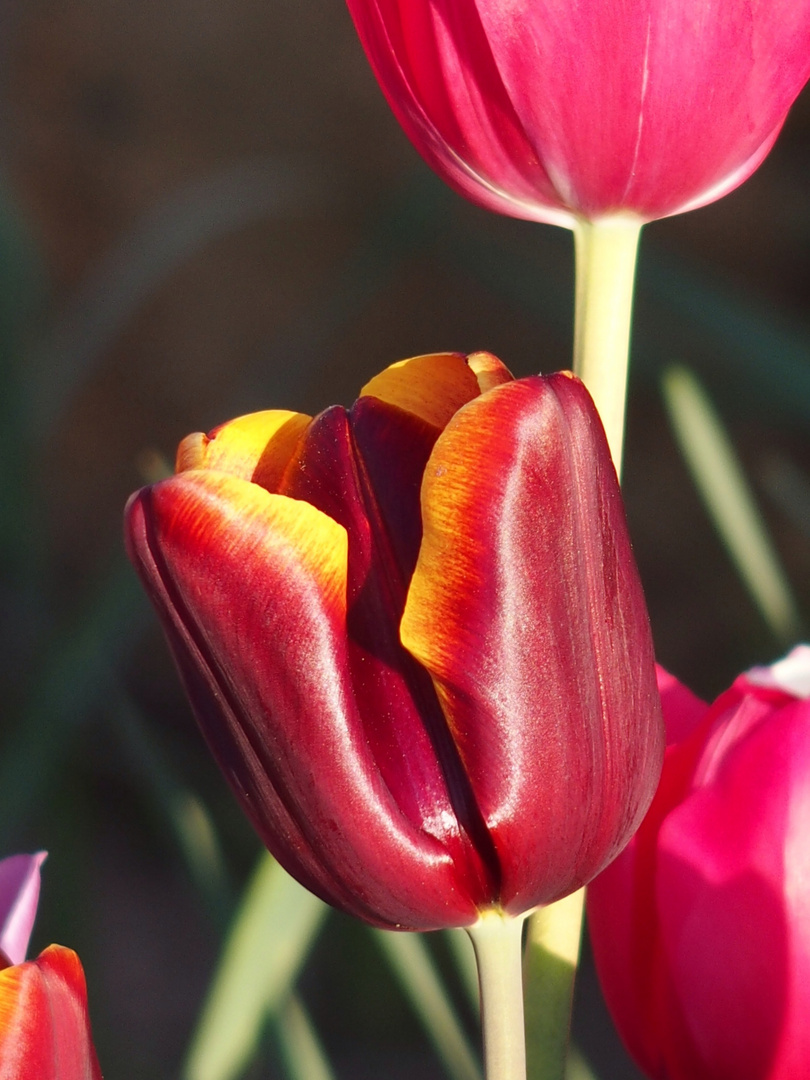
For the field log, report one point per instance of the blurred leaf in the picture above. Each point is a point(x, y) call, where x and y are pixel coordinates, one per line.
point(464, 957)
point(169, 234)
point(299, 1043)
point(789, 488)
point(196, 838)
point(577, 1068)
point(718, 476)
point(190, 823)
point(77, 675)
point(415, 969)
point(755, 350)
point(270, 937)
point(550, 967)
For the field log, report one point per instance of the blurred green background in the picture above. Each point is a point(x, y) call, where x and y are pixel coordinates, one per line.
point(206, 209)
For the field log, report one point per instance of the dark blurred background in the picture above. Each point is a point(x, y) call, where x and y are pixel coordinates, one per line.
point(207, 208)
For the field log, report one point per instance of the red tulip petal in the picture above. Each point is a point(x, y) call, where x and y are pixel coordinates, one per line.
point(44, 1026)
point(431, 387)
point(252, 591)
point(364, 469)
point(256, 447)
point(527, 609)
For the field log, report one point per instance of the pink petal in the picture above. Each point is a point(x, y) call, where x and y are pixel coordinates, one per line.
point(19, 894)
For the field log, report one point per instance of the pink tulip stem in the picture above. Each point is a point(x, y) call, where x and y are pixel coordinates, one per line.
point(497, 940)
point(605, 268)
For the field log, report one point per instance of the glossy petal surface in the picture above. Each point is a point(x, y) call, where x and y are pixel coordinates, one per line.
point(44, 1027)
point(419, 727)
point(256, 447)
point(527, 610)
point(272, 690)
point(551, 110)
point(701, 928)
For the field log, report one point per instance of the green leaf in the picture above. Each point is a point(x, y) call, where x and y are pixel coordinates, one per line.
point(299, 1043)
point(727, 495)
point(550, 966)
point(270, 937)
point(415, 969)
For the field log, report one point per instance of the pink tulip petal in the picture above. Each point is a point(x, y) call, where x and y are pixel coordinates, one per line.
point(791, 675)
point(682, 709)
point(19, 895)
point(553, 111)
point(723, 880)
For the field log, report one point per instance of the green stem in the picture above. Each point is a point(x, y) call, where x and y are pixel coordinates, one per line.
point(605, 269)
point(606, 253)
point(497, 940)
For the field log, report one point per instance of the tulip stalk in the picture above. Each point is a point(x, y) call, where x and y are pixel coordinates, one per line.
point(497, 940)
point(606, 251)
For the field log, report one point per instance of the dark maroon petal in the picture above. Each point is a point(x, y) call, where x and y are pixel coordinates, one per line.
point(251, 588)
point(527, 609)
point(340, 469)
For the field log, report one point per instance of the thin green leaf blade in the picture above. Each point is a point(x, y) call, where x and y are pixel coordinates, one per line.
point(274, 928)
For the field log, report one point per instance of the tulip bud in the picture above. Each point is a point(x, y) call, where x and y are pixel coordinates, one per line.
point(414, 637)
point(562, 111)
point(701, 927)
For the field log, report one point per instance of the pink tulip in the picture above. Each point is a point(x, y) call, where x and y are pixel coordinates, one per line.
point(701, 928)
point(556, 111)
point(44, 1026)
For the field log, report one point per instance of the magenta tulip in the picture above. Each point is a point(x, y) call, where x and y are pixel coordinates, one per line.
point(557, 111)
point(414, 637)
point(701, 928)
point(44, 1024)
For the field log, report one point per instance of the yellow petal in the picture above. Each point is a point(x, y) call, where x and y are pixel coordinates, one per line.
point(255, 447)
point(432, 387)
point(488, 370)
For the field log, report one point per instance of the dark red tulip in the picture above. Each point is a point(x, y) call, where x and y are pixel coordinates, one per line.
point(414, 637)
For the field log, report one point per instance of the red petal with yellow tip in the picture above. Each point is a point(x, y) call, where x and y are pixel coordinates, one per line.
point(527, 610)
point(44, 1025)
point(252, 590)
